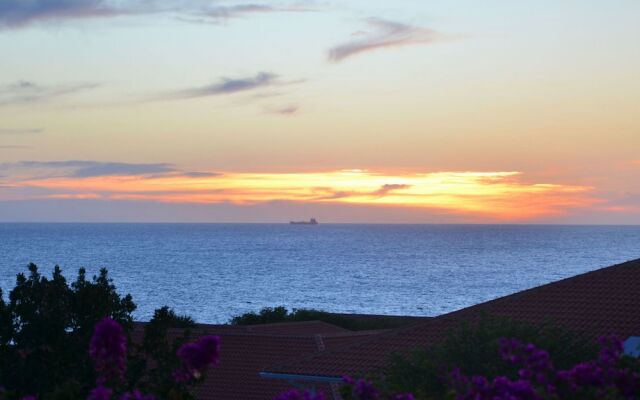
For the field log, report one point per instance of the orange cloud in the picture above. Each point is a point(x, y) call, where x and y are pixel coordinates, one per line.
point(495, 195)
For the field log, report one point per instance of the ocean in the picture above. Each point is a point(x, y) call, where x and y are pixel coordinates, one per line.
point(215, 271)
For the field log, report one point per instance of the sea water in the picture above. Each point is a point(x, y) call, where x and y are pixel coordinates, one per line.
point(215, 271)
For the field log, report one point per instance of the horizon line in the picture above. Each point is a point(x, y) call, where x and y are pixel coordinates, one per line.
point(320, 223)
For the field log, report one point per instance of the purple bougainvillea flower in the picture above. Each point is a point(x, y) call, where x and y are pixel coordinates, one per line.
point(100, 393)
point(611, 349)
point(348, 380)
point(136, 395)
point(295, 394)
point(405, 396)
point(197, 356)
point(604, 377)
point(108, 349)
point(364, 390)
point(291, 394)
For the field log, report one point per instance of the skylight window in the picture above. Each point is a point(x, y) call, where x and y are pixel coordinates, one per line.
point(632, 346)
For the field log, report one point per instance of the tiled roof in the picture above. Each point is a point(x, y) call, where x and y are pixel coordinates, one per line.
point(242, 358)
point(247, 350)
point(296, 328)
point(244, 355)
point(400, 319)
point(599, 302)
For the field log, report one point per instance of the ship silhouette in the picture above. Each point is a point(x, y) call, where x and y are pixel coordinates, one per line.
point(312, 221)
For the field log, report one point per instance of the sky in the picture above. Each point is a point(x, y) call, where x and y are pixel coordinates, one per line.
point(346, 111)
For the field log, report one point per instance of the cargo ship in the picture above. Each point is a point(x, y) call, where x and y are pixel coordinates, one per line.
point(312, 221)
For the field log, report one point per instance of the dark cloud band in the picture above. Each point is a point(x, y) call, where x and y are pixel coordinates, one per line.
point(87, 169)
point(20, 13)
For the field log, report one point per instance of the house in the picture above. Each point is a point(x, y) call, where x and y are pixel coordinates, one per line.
point(245, 353)
point(596, 303)
point(246, 350)
point(259, 361)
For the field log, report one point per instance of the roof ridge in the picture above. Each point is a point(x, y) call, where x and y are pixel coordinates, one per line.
point(369, 332)
point(289, 335)
point(319, 342)
point(287, 323)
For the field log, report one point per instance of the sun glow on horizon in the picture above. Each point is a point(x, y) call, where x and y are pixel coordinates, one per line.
point(498, 195)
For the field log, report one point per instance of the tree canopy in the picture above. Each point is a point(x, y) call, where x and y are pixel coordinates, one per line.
point(46, 325)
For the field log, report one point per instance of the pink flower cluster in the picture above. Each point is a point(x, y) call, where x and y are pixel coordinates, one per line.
point(196, 357)
point(108, 349)
point(362, 389)
point(539, 380)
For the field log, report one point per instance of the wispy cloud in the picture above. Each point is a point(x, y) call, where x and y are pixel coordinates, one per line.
point(385, 34)
point(21, 13)
point(389, 187)
point(221, 14)
point(197, 174)
point(14, 146)
point(328, 193)
point(87, 169)
point(285, 110)
point(24, 92)
point(226, 86)
point(20, 131)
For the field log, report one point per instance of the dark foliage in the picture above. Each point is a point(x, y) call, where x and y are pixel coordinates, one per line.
point(46, 326)
point(156, 357)
point(472, 348)
point(46, 329)
point(270, 315)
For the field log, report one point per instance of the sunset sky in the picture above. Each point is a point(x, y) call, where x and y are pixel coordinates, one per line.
point(347, 111)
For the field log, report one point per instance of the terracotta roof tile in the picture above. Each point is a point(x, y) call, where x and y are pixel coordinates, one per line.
point(599, 302)
point(242, 358)
point(247, 350)
point(245, 355)
point(296, 328)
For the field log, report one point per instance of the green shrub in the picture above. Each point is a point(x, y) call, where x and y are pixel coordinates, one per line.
point(270, 315)
point(472, 348)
